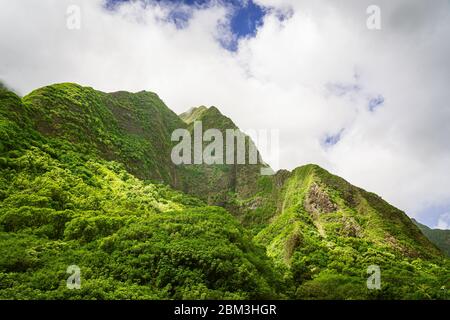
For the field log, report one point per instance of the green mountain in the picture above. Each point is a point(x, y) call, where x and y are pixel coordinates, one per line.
point(441, 238)
point(325, 232)
point(86, 179)
point(64, 202)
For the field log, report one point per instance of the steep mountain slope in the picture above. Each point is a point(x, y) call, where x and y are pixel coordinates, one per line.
point(326, 232)
point(135, 129)
point(221, 184)
point(441, 238)
point(75, 165)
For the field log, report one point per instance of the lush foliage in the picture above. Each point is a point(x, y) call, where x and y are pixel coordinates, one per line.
point(131, 239)
point(84, 180)
point(327, 233)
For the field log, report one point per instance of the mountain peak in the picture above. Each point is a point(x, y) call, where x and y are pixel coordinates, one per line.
point(198, 113)
point(211, 118)
point(192, 114)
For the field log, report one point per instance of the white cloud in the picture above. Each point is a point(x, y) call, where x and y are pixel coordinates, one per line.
point(444, 221)
point(278, 79)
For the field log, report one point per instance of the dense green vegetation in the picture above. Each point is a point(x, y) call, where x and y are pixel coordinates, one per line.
point(131, 238)
point(86, 179)
point(441, 238)
point(133, 129)
point(327, 232)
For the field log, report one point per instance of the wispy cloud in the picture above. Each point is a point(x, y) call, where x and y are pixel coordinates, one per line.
point(443, 221)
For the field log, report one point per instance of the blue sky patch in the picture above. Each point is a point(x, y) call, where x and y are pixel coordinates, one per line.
point(246, 19)
point(246, 16)
point(332, 139)
point(374, 103)
point(430, 215)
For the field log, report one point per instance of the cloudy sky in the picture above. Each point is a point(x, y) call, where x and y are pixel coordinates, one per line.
point(371, 105)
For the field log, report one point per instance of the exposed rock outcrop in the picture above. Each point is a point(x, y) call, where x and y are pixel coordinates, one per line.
point(318, 201)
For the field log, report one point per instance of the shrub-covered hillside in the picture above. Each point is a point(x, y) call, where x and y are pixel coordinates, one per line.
point(131, 239)
point(326, 232)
